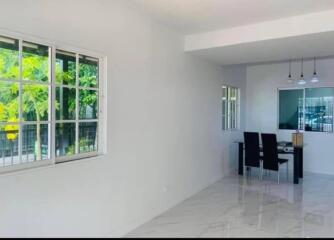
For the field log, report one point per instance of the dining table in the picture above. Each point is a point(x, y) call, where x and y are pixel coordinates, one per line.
point(283, 147)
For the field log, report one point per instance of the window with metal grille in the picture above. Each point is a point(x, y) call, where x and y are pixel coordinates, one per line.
point(230, 108)
point(49, 104)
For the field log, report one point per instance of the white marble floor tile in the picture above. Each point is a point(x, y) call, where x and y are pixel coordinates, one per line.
point(247, 207)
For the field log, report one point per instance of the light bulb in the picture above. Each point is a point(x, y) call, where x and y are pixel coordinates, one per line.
point(290, 80)
point(315, 78)
point(301, 81)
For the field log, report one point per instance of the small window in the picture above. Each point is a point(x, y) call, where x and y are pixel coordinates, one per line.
point(230, 108)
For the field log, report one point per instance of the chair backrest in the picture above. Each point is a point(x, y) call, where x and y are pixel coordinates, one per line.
point(270, 153)
point(252, 149)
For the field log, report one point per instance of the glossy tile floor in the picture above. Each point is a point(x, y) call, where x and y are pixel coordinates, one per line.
point(246, 207)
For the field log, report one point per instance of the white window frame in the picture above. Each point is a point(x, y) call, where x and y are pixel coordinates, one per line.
point(101, 89)
point(227, 116)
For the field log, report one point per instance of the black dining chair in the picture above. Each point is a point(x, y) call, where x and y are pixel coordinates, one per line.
point(252, 150)
point(271, 161)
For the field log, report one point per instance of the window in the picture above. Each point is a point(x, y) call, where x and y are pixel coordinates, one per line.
point(309, 109)
point(230, 108)
point(49, 104)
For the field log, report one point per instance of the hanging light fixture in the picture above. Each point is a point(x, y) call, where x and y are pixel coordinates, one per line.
point(302, 81)
point(315, 78)
point(290, 80)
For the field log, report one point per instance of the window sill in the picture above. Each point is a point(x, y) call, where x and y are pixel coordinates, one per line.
point(232, 130)
point(43, 165)
point(303, 131)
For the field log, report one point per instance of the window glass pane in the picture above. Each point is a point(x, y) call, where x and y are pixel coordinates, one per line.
point(65, 139)
point(319, 109)
point(224, 108)
point(88, 71)
point(236, 108)
point(35, 102)
point(224, 121)
point(230, 105)
point(35, 62)
point(233, 102)
point(231, 114)
point(9, 102)
point(9, 136)
point(35, 142)
point(9, 58)
point(65, 68)
point(87, 137)
point(65, 103)
point(88, 104)
point(291, 103)
point(224, 101)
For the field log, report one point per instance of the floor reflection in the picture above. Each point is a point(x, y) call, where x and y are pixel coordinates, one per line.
point(247, 207)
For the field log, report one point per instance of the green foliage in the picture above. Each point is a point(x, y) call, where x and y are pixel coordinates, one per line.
point(70, 150)
point(86, 145)
point(35, 67)
point(9, 69)
point(8, 101)
point(35, 101)
point(35, 96)
point(65, 77)
point(88, 75)
point(9, 64)
point(87, 99)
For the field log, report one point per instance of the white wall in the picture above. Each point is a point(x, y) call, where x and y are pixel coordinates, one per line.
point(263, 82)
point(164, 125)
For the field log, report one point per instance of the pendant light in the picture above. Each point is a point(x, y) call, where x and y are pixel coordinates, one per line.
point(315, 78)
point(290, 80)
point(302, 81)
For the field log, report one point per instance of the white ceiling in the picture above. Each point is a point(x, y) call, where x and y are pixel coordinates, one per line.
point(194, 16)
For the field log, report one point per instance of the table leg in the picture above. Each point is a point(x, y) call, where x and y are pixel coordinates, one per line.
point(301, 160)
point(241, 158)
point(296, 165)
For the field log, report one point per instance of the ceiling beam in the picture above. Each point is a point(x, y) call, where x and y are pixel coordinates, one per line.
point(313, 23)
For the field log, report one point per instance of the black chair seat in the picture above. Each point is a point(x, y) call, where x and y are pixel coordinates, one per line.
point(282, 160)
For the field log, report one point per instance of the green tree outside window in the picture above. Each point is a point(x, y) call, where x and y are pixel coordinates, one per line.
point(35, 96)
